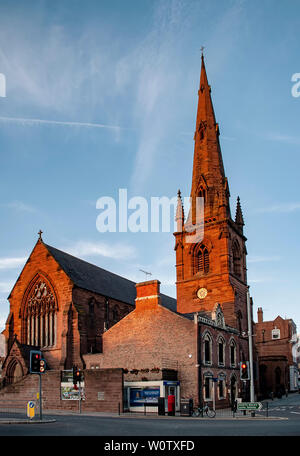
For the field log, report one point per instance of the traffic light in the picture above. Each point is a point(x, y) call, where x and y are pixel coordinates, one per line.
point(244, 370)
point(35, 358)
point(76, 375)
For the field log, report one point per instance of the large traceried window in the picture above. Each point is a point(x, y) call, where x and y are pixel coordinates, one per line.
point(40, 311)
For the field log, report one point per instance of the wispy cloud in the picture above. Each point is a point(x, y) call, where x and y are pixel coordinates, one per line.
point(287, 139)
point(262, 259)
point(92, 249)
point(280, 208)
point(151, 70)
point(19, 206)
point(12, 263)
point(26, 121)
point(260, 280)
point(5, 287)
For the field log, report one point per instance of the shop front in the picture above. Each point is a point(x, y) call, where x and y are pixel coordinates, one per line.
point(144, 395)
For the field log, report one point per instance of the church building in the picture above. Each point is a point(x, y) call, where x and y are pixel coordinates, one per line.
point(79, 314)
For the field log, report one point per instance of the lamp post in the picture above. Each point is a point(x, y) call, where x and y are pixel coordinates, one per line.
point(250, 338)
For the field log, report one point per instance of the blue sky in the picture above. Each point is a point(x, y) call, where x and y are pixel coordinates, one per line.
point(102, 95)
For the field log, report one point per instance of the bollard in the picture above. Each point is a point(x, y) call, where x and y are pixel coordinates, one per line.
point(267, 409)
point(119, 407)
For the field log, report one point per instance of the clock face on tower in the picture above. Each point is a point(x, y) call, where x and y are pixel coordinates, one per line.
point(202, 293)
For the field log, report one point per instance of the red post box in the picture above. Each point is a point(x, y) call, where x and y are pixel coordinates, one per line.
point(171, 405)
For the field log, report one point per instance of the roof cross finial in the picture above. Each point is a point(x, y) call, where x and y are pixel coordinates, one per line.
point(202, 49)
point(40, 235)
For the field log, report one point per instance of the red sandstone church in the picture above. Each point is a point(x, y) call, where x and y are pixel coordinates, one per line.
point(132, 342)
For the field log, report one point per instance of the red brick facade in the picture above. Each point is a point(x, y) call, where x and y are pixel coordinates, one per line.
point(275, 340)
point(153, 343)
point(108, 382)
point(150, 341)
point(80, 315)
point(198, 345)
point(216, 263)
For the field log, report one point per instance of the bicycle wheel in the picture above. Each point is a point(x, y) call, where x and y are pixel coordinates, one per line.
point(210, 413)
point(196, 413)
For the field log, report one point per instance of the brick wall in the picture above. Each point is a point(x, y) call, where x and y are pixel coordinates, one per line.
point(96, 312)
point(109, 382)
point(151, 336)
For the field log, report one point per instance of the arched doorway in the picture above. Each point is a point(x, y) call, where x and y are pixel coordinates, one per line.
point(14, 371)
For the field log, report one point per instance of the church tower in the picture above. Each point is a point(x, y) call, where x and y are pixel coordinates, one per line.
point(210, 250)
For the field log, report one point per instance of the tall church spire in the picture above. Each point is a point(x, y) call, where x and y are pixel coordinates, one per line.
point(209, 178)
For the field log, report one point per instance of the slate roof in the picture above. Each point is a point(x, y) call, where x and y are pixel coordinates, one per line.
point(93, 278)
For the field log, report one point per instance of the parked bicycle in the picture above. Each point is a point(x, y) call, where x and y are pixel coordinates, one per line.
point(211, 413)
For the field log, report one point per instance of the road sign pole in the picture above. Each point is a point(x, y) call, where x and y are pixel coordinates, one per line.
point(41, 406)
point(79, 398)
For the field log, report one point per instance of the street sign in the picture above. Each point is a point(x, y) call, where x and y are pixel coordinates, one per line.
point(249, 406)
point(30, 409)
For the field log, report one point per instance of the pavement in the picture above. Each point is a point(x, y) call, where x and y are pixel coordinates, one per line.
point(283, 420)
point(277, 410)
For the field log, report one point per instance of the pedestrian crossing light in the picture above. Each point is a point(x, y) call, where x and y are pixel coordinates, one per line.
point(35, 358)
point(42, 366)
point(244, 370)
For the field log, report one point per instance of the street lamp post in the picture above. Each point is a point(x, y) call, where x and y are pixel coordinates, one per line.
point(250, 338)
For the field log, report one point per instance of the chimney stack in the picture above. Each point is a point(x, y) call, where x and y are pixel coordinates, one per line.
point(259, 315)
point(147, 295)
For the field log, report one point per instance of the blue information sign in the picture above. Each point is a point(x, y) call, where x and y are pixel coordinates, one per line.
point(140, 396)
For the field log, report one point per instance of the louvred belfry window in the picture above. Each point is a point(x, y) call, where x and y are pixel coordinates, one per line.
point(202, 264)
point(39, 322)
point(236, 254)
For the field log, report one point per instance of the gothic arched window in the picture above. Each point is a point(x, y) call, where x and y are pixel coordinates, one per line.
point(39, 321)
point(207, 348)
point(232, 353)
point(202, 260)
point(236, 254)
point(221, 351)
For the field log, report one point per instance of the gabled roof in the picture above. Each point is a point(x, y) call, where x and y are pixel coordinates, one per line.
point(24, 350)
point(93, 278)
